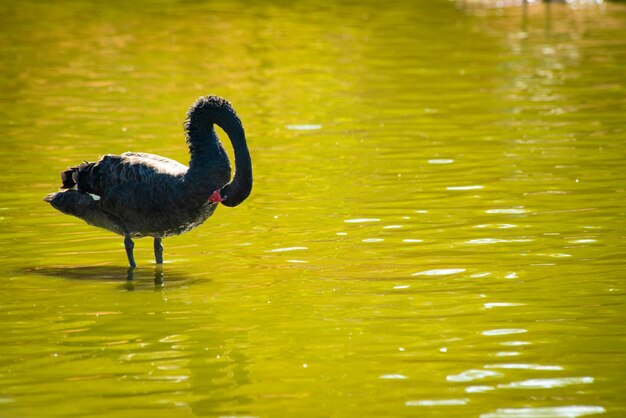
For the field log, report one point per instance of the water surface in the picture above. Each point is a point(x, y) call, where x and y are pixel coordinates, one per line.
point(436, 229)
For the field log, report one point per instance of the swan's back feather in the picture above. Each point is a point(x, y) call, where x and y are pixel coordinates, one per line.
point(128, 168)
point(161, 164)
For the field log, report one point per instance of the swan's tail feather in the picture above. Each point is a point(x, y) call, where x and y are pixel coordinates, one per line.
point(85, 207)
point(69, 177)
point(77, 176)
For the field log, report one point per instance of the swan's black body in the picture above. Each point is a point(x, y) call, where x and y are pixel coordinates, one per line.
point(138, 194)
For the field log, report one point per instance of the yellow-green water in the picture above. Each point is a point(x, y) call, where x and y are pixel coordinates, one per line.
point(437, 226)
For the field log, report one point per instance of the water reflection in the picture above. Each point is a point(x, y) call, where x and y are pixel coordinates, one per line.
point(158, 277)
point(134, 278)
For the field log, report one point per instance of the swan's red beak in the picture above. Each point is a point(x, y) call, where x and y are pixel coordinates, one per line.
point(216, 197)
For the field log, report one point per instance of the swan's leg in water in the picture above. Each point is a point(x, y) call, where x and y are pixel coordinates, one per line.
point(158, 275)
point(158, 250)
point(129, 245)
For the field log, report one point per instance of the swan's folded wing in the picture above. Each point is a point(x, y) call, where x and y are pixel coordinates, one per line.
point(159, 163)
point(130, 167)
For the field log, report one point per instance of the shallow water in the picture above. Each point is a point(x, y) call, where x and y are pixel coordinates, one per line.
point(436, 229)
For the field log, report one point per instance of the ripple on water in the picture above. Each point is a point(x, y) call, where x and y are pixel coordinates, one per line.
point(479, 241)
point(507, 354)
point(485, 241)
point(440, 161)
point(522, 366)
point(165, 378)
point(504, 331)
point(501, 305)
point(175, 338)
point(557, 382)
point(572, 411)
point(437, 402)
point(152, 356)
point(393, 376)
point(498, 226)
point(473, 374)
point(280, 250)
point(469, 187)
point(304, 127)
point(361, 220)
point(515, 343)
point(479, 389)
point(438, 272)
point(507, 211)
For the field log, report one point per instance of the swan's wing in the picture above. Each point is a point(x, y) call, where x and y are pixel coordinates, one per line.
point(161, 164)
point(126, 169)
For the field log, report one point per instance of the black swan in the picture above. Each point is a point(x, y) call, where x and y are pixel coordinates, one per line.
point(139, 194)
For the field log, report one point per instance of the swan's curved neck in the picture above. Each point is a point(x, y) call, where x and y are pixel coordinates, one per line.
point(209, 169)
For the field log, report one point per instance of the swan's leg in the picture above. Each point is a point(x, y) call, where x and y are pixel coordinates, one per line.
point(158, 275)
point(129, 245)
point(158, 250)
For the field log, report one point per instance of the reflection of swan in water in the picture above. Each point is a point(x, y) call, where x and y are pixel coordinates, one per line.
point(139, 194)
point(133, 279)
point(158, 277)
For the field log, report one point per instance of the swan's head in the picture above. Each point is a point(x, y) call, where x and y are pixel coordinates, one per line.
point(232, 195)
